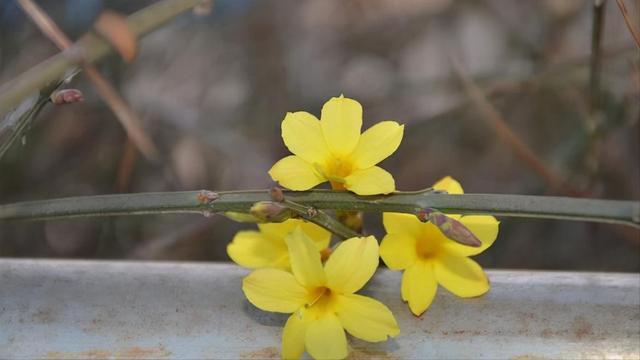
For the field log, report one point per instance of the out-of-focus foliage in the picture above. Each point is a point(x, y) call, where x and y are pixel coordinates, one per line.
point(213, 92)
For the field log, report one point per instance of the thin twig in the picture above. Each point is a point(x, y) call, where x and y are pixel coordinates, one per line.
point(627, 20)
point(506, 135)
point(547, 207)
point(596, 54)
point(92, 48)
point(321, 218)
point(128, 118)
point(594, 118)
point(127, 164)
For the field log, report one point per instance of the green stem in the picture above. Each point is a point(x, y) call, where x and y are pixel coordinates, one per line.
point(320, 218)
point(547, 207)
point(16, 124)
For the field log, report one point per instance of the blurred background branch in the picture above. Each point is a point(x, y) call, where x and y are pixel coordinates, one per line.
point(127, 116)
point(89, 49)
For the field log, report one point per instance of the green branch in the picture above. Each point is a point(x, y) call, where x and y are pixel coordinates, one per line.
point(17, 123)
point(546, 207)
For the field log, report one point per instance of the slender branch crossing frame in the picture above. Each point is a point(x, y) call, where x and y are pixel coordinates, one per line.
point(545, 207)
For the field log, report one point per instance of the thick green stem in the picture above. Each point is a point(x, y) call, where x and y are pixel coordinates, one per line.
point(547, 207)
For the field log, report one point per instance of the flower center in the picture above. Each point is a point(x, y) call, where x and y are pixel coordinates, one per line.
point(320, 299)
point(426, 247)
point(336, 170)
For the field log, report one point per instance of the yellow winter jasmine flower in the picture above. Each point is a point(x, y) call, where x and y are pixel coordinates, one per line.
point(321, 298)
point(428, 258)
point(332, 149)
point(267, 247)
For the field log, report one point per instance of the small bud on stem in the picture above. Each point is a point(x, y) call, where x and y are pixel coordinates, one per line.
point(277, 194)
point(451, 228)
point(207, 196)
point(66, 96)
point(270, 211)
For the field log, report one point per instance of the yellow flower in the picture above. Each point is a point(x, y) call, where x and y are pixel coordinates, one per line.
point(332, 149)
point(322, 299)
point(267, 247)
point(428, 258)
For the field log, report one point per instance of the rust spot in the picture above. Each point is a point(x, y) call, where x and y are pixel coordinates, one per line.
point(135, 352)
point(143, 353)
point(528, 357)
point(89, 354)
point(361, 354)
point(581, 328)
point(43, 317)
point(265, 353)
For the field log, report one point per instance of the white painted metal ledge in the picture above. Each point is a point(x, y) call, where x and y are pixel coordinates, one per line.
point(88, 309)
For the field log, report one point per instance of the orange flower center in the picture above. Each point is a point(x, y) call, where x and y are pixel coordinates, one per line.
point(321, 299)
point(426, 247)
point(336, 170)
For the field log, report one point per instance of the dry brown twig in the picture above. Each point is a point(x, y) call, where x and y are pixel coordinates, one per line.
point(128, 118)
point(627, 20)
point(506, 135)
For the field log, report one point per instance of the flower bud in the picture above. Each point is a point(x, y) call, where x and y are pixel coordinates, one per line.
point(66, 96)
point(270, 211)
point(451, 228)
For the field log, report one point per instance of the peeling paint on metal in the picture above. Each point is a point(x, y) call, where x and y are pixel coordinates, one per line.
point(88, 309)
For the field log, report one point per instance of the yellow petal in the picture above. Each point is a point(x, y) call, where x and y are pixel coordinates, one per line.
point(303, 136)
point(461, 276)
point(371, 181)
point(406, 224)
point(293, 336)
point(296, 174)
point(241, 217)
point(278, 231)
point(352, 264)
point(341, 121)
point(305, 259)
point(366, 318)
point(377, 143)
point(398, 251)
point(254, 250)
point(274, 290)
point(450, 185)
point(483, 227)
point(325, 338)
point(419, 286)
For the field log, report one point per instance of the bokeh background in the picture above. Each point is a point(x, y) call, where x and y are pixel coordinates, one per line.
point(213, 89)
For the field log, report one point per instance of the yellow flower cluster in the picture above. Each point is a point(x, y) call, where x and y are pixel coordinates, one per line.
point(290, 275)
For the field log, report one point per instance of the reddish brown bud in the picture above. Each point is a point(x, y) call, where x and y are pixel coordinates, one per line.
point(277, 194)
point(206, 196)
point(66, 96)
point(451, 228)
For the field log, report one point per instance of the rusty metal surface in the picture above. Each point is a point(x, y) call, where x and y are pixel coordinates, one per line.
point(84, 309)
